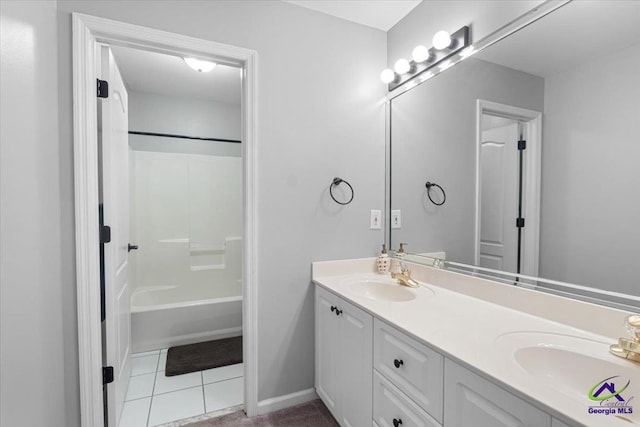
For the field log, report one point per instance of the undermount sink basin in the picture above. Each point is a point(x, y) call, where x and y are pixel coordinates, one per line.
point(383, 289)
point(567, 363)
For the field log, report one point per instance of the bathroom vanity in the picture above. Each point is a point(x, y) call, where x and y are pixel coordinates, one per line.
point(463, 351)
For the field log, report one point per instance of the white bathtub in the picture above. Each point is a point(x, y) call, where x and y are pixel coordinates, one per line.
point(162, 317)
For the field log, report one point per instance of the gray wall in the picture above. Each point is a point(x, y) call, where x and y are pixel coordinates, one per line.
point(419, 26)
point(151, 112)
point(38, 357)
point(590, 174)
point(433, 138)
point(320, 115)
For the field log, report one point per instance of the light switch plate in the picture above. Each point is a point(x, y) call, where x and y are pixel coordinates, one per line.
point(376, 218)
point(396, 219)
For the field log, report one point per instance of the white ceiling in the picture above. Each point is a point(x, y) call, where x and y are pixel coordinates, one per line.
point(380, 14)
point(145, 71)
point(576, 33)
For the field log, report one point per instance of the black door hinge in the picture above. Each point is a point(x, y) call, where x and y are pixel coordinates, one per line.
point(522, 145)
point(105, 234)
point(107, 374)
point(519, 222)
point(103, 88)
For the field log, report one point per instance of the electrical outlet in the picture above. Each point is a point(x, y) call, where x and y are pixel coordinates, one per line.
point(376, 218)
point(396, 219)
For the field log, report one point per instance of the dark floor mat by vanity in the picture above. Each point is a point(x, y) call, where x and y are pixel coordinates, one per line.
point(183, 359)
point(310, 414)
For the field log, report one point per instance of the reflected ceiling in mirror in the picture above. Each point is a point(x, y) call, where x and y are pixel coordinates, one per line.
point(564, 204)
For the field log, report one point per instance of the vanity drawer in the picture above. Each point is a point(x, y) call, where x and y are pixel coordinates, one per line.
point(390, 404)
point(413, 367)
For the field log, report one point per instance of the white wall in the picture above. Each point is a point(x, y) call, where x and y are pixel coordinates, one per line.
point(187, 221)
point(186, 195)
point(433, 139)
point(150, 112)
point(419, 26)
point(320, 115)
point(590, 181)
point(37, 368)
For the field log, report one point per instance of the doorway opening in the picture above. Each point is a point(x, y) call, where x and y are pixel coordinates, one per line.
point(165, 224)
point(171, 192)
point(507, 188)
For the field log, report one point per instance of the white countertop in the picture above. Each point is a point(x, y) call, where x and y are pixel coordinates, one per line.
point(471, 331)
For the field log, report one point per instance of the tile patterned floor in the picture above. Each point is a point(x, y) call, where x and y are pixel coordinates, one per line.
point(153, 399)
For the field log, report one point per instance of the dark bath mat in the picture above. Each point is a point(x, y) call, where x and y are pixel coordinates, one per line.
point(183, 359)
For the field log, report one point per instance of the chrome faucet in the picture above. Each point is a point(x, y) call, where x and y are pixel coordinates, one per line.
point(404, 276)
point(629, 348)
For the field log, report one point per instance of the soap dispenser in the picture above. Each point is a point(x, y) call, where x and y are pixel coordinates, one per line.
point(383, 262)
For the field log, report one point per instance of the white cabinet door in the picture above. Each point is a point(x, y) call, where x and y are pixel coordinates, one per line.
point(344, 360)
point(355, 366)
point(470, 400)
point(327, 339)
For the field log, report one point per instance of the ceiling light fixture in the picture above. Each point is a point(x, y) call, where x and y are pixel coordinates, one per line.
point(200, 65)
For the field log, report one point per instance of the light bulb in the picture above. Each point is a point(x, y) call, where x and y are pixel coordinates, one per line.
point(421, 53)
point(387, 76)
point(402, 66)
point(200, 65)
point(441, 40)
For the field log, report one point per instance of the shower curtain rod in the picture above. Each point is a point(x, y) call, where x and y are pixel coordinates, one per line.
point(168, 135)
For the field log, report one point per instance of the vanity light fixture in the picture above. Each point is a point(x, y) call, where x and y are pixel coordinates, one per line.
point(442, 40)
point(445, 45)
point(402, 66)
point(446, 64)
point(410, 85)
point(426, 76)
point(200, 65)
point(421, 54)
point(387, 76)
point(468, 52)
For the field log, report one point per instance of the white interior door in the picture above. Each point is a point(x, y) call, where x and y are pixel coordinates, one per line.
point(115, 197)
point(499, 198)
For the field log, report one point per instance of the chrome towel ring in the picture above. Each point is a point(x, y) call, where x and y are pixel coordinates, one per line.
point(337, 181)
point(444, 195)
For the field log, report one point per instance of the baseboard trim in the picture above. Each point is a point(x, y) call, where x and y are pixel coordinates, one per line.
point(286, 401)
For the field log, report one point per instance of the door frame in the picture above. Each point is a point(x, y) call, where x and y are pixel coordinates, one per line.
point(87, 32)
point(532, 121)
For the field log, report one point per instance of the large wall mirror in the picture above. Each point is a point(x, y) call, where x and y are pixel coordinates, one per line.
point(565, 204)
